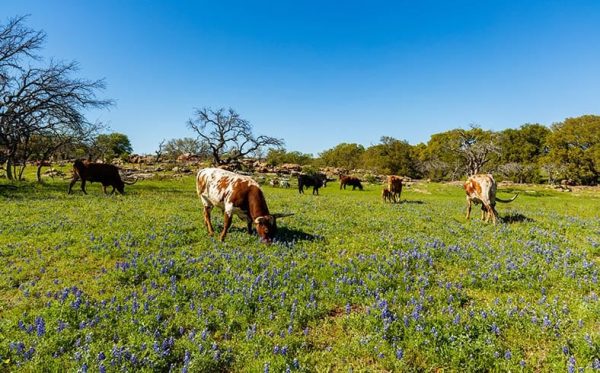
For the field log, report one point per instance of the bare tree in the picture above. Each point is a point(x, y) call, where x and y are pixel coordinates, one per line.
point(476, 148)
point(44, 100)
point(228, 136)
point(38, 101)
point(17, 41)
point(159, 151)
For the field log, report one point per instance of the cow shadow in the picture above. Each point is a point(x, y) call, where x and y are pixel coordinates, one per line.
point(288, 235)
point(412, 202)
point(516, 218)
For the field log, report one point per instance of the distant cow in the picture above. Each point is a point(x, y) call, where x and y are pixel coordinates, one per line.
point(235, 194)
point(395, 187)
point(386, 195)
point(107, 174)
point(284, 183)
point(274, 183)
point(316, 181)
point(350, 180)
point(482, 189)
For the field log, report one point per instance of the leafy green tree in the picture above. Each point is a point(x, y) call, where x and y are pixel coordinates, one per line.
point(438, 159)
point(113, 145)
point(280, 156)
point(523, 145)
point(521, 150)
point(344, 155)
point(392, 156)
point(575, 144)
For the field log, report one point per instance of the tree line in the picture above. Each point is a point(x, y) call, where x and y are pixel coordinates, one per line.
point(532, 153)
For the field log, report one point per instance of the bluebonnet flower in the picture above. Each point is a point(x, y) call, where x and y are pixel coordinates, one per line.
point(571, 364)
point(399, 354)
point(495, 329)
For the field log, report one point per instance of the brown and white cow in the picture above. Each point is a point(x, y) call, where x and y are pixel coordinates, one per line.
point(481, 188)
point(239, 195)
point(395, 187)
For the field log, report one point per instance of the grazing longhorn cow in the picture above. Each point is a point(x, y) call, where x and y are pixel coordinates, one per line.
point(350, 180)
point(235, 194)
point(481, 188)
point(395, 187)
point(386, 195)
point(315, 181)
point(107, 174)
point(284, 183)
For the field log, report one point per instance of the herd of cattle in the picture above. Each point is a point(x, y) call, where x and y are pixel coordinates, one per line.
point(241, 195)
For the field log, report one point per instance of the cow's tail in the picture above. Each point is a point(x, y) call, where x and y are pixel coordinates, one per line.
point(507, 200)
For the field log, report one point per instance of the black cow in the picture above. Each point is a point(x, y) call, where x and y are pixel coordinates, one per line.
point(107, 174)
point(316, 181)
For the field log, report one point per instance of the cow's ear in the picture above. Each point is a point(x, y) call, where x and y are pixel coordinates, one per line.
point(282, 215)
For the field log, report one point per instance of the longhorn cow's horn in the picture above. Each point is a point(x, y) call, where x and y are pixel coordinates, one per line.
point(131, 182)
point(507, 200)
point(282, 215)
point(260, 219)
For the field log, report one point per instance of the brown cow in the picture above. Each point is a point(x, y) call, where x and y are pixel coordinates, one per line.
point(107, 174)
point(239, 195)
point(350, 180)
point(481, 188)
point(386, 195)
point(395, 187)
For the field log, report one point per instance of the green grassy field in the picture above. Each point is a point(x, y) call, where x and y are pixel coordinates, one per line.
point(135, 283)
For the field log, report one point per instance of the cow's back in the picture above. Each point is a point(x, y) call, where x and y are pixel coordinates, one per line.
point(481, 187)
point(394, 183)
point(217, 186)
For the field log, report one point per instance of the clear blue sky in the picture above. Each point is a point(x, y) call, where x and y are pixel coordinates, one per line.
point(319, 73)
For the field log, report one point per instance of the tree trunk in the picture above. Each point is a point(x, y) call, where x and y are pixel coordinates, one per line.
point(22, 169)
point(9, 173)
point(39, 172)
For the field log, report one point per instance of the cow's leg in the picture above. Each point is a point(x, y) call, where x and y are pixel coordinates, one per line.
point(226, 224)
point(73, 181)
point(469, 203)
point(484, 212)
point(83, 186)
point(249, 226)
point(207, 210)
point(494, 214)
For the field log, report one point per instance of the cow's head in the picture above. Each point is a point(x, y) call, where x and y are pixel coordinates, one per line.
point(266, 226)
